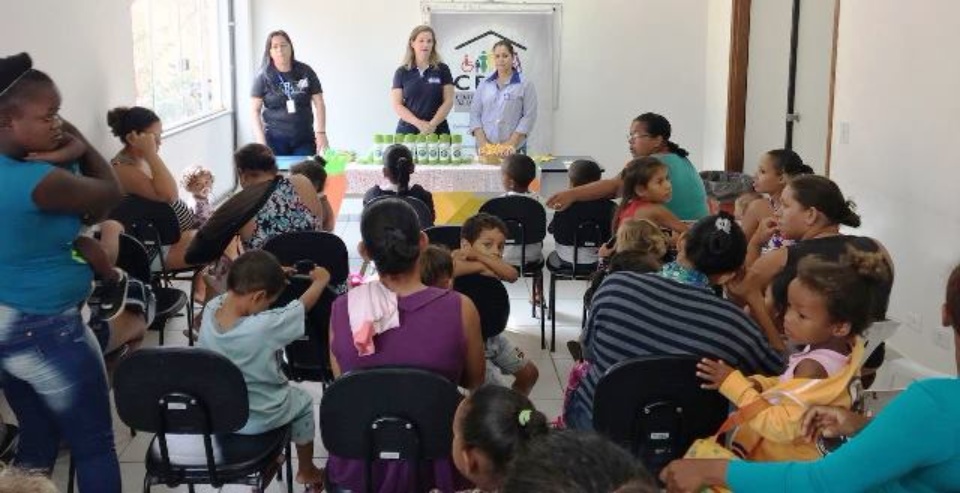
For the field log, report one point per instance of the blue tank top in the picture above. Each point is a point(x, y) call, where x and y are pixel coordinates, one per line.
point(38, 271)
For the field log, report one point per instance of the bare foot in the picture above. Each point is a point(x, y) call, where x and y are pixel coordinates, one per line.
point(311, 477)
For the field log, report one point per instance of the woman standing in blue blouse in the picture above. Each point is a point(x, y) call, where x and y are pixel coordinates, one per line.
point(422, 93)
point(504, 106)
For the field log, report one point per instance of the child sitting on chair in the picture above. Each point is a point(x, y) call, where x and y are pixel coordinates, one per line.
point(829, 305)
point(565, 223)
point(110, 291)
point(482, 239)
point(397, 168)
point(518, 172)
point(241, 326)
point(436, 267)
point(315, 170)
point(199, 182)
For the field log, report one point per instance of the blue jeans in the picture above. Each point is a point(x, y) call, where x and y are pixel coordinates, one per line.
point(53, 376)
point(282, 145)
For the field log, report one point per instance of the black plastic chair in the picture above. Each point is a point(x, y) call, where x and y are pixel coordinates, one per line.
point(582, 225)
point(424, 214)
point(195, 400)
point(491, 299)
point(527, 223)
point(389, 414)
point(155, 225)
point(654, 407)
point(309, 358)
point(448, 236)
point(134, 259)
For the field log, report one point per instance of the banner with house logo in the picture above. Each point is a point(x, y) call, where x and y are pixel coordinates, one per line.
point(466, 42)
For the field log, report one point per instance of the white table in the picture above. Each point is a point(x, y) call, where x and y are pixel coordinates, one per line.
point(475, 178)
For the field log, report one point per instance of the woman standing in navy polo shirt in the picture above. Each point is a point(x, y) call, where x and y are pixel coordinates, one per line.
point(422, 92)
point(504, 107)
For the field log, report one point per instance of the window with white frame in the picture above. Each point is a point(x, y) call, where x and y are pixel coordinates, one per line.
point(177, 58)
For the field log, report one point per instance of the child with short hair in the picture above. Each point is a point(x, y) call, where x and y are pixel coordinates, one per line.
point(315, 170)
point(482, 239)
point(517, 172)
point(829, 305)
point(566, 223)
point(199, 182)
point(436, 267)
point(241, 325)
point(491, 428)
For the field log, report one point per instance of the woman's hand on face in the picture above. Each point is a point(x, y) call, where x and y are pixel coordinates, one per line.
point(143, 142)
point(69, 150)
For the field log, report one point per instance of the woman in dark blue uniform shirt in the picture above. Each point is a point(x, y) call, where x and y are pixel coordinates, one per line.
point(422, 93)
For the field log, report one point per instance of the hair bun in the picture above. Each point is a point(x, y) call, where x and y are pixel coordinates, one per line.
point(12, 68)
point(115, 119)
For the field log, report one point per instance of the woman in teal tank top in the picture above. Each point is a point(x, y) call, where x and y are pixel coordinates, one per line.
point(649, 136)
point(50, 363)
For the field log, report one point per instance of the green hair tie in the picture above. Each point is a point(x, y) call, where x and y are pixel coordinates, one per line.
point(524, 417)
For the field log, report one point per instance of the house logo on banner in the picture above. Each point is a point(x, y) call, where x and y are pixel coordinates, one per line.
point(473, 63)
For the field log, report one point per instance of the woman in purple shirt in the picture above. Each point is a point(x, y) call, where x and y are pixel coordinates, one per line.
point(439, 331)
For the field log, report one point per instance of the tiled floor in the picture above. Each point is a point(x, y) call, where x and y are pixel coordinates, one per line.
point(522, 330)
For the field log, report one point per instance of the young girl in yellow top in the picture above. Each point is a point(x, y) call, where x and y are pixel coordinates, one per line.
point(828, 305)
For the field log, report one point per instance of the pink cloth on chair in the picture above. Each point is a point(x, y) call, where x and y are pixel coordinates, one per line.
point(373, 310)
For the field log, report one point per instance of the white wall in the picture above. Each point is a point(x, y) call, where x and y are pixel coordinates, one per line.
point(717, 82)
point(768, 74)
point(86, 47)
point(620, 58)
point(897, 95)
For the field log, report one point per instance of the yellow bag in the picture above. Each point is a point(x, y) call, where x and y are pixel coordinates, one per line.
point(710, 448)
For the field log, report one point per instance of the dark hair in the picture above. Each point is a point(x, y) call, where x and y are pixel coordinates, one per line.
point(256, 270)
point(637, 172)
point(659, 126)
point(519, 168)
point(953, 297)
point(391, 234)
point(436, 263)
point(789, 163)
point(851, 286)
point(628, 261)
point(716, 244)
point(824, 195)
point(492, 423)
point(572, 461)
point(123, 120)
point(583, 171)
point(479, 223)
point(398, 161)
point(18, 80)
point(255, 157)
point(314, 170)
point(267, 61)
point(506, 44)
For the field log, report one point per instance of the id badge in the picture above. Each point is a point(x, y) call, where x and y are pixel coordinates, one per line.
point(291, 106)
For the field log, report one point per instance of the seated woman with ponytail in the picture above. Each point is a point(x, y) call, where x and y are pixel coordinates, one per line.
point(492, 427)
point(397, 168)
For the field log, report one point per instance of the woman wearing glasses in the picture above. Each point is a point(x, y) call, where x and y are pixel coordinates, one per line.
point(649, 136)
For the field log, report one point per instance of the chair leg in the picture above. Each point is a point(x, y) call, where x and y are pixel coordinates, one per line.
point(191, 488)
point(71, 475)
point(163, 327)
point(543, 316)
point(289, 469)
point(553, 314)
point(146, 483)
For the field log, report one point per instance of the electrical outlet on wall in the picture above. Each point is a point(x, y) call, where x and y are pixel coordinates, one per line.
point(914, 322)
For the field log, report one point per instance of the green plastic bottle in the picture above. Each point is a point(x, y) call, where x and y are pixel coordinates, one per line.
point(377, 148)
point(433, 152)
point(421, 151)
point(456, 149)
point(443, 149)
point(411, 143)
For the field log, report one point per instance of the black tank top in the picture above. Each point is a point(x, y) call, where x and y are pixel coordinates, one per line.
point(830, 248)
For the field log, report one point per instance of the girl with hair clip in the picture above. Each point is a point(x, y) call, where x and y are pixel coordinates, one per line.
point(491, 428)
point(397, 168)
point(912, 445)
point(776, 168)
point(829, 306)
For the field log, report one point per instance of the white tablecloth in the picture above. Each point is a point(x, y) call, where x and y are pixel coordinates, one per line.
point(478, 178)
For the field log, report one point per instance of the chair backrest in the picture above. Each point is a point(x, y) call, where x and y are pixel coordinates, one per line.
point(133, 258)
point(180, 390)
point(424, 215)
point(448, 236)
point(581, 223)
point(525, 217)
point(309, 358)
point(491, 299)
point(389, 413)
point(216, 233)
point(153, 223)
point(654, 407)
